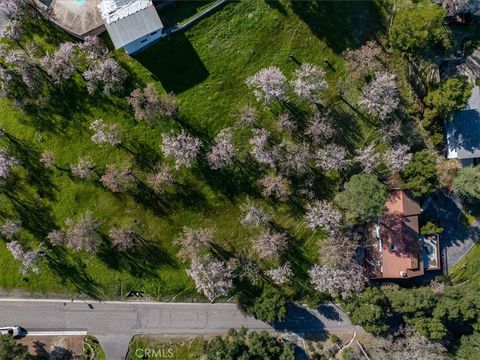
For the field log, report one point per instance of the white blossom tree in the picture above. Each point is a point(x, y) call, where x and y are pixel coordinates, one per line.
point(212, 277)
point(28, 259)
point(285, 123)
point(223, 151)
point(160, 180)
point(83, 169)
point(122, 238)
point(397, 158)
point(106, 75)
point(332, 157)
point(281, 275)
point(269, 84)
point(309, 82)
point(294, 158)
point(381, 96)
point(320, 127)
point(56, 237)
point(149, 106)
point(25, 68)
point(338, 282)
point(322, 214)
point(247, 116)
point(182, 148)
point(83, 234)
point(391, 130)
point(255, 216)
point(261, 149)
point(105, 134)
point(10, 228)
point(7, 162)
point(60, 64)
point(270, 244)
point(47, 159)
point(275, 186)
point(118, 178)
point(192, 241)
point(368, 158)
point(364, 60)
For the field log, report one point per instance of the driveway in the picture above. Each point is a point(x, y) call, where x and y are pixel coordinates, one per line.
point(456, 240)
point(115, 323)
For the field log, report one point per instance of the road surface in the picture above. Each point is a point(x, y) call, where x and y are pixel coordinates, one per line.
point(114, 323)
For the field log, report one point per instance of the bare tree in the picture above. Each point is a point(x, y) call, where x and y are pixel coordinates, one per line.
point(183, 148)
point(118, 178)
point(320, 127)
point(247, 116)
point(381, 96)
point(10, 228)
point(261, 149)
point(160, 180)
point(192, 241)
point(322, 214)
point(223, 151)
point(47, 159)
point(281, 275)
point(285, 123)
point(107, 75)
point(338, 282)
point(332, 157)
point(270, 244)
point(212, 277)
point(390, 131)
point(56, 237)
point(7, 162)
point(83, 234)
point(309, 82)
point(338, 249)
point(83, 169)
point(149, 106)
point(60, 65)
point(276, 186)
point(364, 60)
point(105, 134)
point(367, 158)
point(269, 84)
point(255, 216)
point(122, 238)
point(397, 158)
point(294, 158)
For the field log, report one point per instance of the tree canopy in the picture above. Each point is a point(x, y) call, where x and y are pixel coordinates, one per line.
point(420, 175)
point(467, 184)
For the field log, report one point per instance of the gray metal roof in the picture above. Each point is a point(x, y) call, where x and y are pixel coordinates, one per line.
point(134, 26)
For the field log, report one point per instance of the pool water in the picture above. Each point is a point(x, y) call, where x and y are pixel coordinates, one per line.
point(80, 1)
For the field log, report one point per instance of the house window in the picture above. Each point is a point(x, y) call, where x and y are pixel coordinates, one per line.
point(144, 40)
point(154, 33)
point(393, 247)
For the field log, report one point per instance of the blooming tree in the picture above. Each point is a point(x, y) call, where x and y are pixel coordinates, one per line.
point(270, 244)
point(83, 233)
point(248, 116)
point(160, 180)
point(381, 96)
point(122, 238)
point(118, 178)
point(83, 169)
point(94, 49)
point(285, 123)
point(255, 216)
point(56, 237)
point(367, 158)
point(323, 214)
point(276, 186)
point(47, 159)
point(7, 162)
point(320, 127)
point(149, 106)
point(15, 9)
point(338, 249)
point(269, 84)
point(192, 240)
point(223, 151)
point(309, 82)
point(397, 158)
point(364, 60)
point(60, 64)
point(390, 130)
point(105, 134)
point(28, 259)
point(338, 282)
point(183, 148)
point(10, 228)
point(261, 149)
point(14, 30)
point(294, 158)
point(212, 277)
point(281, 275)
point(107, 75)
point(25, 68)
point(332, 157)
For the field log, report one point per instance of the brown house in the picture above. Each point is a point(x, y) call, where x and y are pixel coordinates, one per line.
point(394, 250)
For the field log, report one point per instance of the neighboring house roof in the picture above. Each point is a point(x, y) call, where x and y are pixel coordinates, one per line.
point(129, 20)
point(463, 130)
point(401, 249)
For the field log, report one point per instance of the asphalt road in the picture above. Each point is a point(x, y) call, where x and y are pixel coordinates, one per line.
point(114, 323)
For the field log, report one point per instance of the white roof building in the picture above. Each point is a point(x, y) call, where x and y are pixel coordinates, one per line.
point(131, 24)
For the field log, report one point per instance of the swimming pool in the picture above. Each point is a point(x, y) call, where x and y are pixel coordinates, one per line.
point(80, 1)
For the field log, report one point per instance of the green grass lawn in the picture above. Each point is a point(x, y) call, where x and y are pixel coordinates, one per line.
point(206, 67)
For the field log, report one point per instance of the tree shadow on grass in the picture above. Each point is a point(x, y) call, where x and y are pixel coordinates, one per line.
point(341, 24)
point(175, 63)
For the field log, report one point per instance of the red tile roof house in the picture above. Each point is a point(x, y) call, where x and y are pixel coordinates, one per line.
point(394, 249)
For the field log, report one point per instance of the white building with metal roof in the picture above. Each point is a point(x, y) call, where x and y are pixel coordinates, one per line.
point(131, 24)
